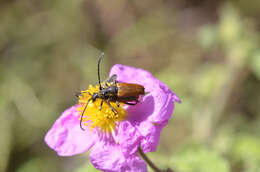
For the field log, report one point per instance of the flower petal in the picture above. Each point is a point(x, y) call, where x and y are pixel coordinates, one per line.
point(109, 158)
point(129, 138)
point(66, 137)
point(151, 135)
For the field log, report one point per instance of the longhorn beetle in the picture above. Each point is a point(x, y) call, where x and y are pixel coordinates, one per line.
point(114, 91)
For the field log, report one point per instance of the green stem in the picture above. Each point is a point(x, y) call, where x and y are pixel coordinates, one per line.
point(150, 163)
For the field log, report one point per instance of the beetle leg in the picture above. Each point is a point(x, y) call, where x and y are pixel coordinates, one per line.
point(86, 92)
point(117, 103)
point(111, 107)
point(78, 93)
point(111, 80)
point(114, 79)
point(101, 104)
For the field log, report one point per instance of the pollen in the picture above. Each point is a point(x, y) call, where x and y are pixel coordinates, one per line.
point(103, 119)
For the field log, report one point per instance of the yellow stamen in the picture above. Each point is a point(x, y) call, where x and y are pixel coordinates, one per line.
point(104, 119)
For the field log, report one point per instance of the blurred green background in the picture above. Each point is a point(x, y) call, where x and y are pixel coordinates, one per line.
point(206, 51)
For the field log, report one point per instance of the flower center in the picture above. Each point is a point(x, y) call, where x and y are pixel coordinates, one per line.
point(103, 119)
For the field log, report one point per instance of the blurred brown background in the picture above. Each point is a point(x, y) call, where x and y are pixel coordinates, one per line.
point(206, 51)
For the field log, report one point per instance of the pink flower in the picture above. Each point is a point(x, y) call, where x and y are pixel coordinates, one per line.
point(141, 127)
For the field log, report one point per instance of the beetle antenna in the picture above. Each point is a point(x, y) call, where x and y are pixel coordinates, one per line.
point(99, 60)
point(81, 117)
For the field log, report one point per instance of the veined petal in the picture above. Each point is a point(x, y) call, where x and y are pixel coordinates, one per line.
point(129, 138)
point(109, 158)
point(151, 135)
point(66, 137)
